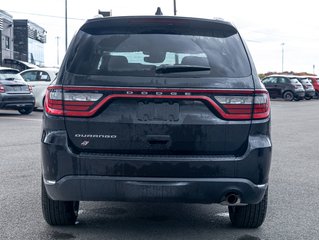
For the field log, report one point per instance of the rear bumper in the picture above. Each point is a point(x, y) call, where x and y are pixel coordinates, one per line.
point(16, 101)
point(116, 177)
point(300, 94)
point(310, 93)
point(188, 190)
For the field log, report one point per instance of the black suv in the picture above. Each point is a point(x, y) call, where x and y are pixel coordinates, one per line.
point(156, 109)
point(287, 87)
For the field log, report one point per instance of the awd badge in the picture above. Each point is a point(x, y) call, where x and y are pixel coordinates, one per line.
point(84, 143)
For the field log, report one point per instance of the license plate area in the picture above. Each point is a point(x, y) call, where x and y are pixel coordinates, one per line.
point(158, 111)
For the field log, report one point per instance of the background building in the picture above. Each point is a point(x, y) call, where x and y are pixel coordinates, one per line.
point(29, 40)
point(6, 36)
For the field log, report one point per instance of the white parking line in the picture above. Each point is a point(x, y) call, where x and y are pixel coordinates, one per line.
point(16, 118)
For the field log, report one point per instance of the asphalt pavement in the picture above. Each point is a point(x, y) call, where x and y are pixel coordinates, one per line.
point(293, 194)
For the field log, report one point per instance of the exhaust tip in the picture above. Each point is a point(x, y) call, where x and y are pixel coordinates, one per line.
point(232, 199)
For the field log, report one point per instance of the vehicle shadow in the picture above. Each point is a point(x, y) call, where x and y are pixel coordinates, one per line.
point(151, 221)
point(9, 114)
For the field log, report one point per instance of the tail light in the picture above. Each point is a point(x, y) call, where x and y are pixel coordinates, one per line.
point(64, 103)
point(30, 88)
point(86, 101)
point(2, 90)
point(244, 107)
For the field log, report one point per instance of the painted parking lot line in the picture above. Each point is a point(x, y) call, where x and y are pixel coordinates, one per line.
point(17, 118)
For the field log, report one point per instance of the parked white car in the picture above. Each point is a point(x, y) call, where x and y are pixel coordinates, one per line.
point(39, 79)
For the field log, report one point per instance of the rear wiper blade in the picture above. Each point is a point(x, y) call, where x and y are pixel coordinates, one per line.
point(10, 79)
point(180, 68)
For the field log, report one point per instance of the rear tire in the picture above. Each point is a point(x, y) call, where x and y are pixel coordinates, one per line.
point(25, 110)
point(308, 98)
point(288, 96)
point(58, 212)
point(249, 216)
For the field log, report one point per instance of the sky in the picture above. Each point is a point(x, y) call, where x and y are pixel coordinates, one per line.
point(274, 30)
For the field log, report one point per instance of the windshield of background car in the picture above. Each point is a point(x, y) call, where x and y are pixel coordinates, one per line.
point(10, 75)
point(219, 55)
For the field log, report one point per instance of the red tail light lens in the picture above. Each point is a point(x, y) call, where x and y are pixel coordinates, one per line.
point(244, 107)
point(236, 105)
point(261, 106)
point(2, 90)
point(69, 103)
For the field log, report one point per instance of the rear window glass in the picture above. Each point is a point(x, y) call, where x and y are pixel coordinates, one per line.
point(294, 80)
point(222, 55)
point(304, 81)
point(10, 75)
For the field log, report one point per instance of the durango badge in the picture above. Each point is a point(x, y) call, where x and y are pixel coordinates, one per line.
point(78, 135)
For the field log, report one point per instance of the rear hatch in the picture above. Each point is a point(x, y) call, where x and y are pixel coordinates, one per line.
point(14, 87)
point(137, 86)
point(296, 83)
point(307, 85)
point(11, 82)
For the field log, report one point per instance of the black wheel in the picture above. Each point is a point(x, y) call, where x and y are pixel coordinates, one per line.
point(25, 110)
point(317, 95)
point(288, 96)
point(249, 216)
point(58, 212)
point(308, 98)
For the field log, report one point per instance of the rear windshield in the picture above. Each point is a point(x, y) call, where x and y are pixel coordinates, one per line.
point(10, 75)
point(169, 55)
point(294, 80)
point(305, 81)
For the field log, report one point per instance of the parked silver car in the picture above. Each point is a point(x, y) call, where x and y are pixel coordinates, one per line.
point(14, 92)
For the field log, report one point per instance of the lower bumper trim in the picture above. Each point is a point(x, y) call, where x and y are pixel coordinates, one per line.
point(130, 189)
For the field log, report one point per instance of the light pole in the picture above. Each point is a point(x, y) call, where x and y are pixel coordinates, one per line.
point(282, 56)
point(175, 11)
point(66, 25)
point(57, 50)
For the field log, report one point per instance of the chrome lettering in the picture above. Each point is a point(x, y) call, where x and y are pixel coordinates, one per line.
point(78, 135)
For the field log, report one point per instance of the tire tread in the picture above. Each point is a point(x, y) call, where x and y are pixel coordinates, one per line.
point(250, 216)
point(57, 212)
